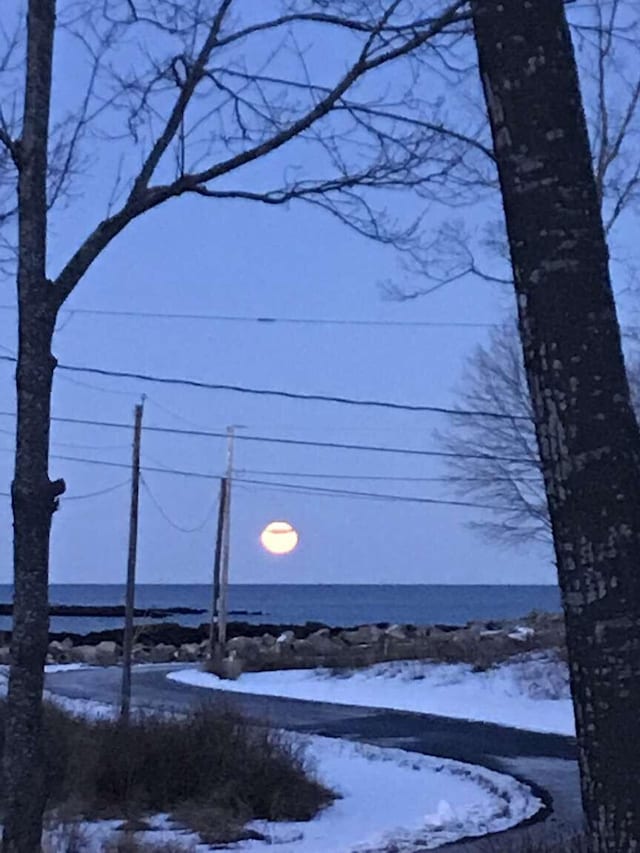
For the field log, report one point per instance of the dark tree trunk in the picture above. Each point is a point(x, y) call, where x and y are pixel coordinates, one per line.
point(587, 433)
point(33, 494)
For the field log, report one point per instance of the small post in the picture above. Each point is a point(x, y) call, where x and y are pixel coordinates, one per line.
point(127, 645)
point(222, 500)
point(223, 594)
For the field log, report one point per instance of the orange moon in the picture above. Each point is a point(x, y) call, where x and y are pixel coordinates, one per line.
point(279, 537)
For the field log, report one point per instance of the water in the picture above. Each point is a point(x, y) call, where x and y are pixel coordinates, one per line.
point(333, 604)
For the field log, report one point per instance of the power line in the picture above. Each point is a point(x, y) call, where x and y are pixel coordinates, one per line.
point(321, 475)
point(96, 494)
point(292, 487)
point(267, 321)
point(297, 442)
point(268, 392)
point(156, 502)
point(312, 490)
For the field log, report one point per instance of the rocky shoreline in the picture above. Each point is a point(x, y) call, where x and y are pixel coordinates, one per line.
point(118, 611)
point(269, 646)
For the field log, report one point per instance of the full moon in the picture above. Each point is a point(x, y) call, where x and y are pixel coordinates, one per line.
point(279, 537)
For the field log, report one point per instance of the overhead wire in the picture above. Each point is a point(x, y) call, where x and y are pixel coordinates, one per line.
point(297, 442)
point(97, 493)
point(271, 392)
point(266, 320)
point(172, 523)
point(302, 489)
point(293, 487)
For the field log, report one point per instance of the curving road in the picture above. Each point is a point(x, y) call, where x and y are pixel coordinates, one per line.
point(545, 761)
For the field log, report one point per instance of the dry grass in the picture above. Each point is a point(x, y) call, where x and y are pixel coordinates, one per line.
point(211, 772)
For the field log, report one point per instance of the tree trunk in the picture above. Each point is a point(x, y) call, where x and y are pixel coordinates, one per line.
point(587, 433)
point(33, 494)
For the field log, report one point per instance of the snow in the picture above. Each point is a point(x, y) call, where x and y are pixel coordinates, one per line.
point(434, 801)
point(388, 798)
point(528, 692)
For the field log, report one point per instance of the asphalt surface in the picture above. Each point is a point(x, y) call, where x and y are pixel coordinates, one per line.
point(545, 761)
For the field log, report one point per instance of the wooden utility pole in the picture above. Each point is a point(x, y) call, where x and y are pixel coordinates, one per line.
point(223, 594)
point(222, 500)
point(127, 645)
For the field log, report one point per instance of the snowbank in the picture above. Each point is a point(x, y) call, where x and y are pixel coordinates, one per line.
point(528, 692)
point(390, 799)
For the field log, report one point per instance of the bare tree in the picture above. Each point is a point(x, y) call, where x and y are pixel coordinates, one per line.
point(607, 37)
point(587, 433)
point(497, 461)
point(276, 102)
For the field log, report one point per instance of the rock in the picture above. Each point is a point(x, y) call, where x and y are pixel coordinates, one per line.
point(476, 627)
point(286, 638)
point(230, 667)
point(268, 640)
point(243, 645)
point(189, 652)
point(321, 632)
point(396, 632)
point(107, 653)
point(322, 644)
point(162, 653)
point(140, 653)
point(365, 635)
point(84, 654)
point(303, 648)
point(5, 655)
point(521, 634)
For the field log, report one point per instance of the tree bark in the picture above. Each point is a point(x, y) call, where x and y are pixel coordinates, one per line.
point(34, 496)
point(587, 433)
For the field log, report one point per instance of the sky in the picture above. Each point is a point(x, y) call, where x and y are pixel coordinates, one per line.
point(210, 257)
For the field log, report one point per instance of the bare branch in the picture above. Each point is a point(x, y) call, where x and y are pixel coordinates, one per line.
point(144, 197)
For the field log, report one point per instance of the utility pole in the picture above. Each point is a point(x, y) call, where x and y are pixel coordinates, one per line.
point(127, 645)
point(222, 500)
point(223, 593)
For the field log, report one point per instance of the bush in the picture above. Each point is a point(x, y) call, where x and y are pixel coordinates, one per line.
point(205, 765)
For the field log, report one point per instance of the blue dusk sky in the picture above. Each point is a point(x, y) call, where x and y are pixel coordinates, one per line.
point(235, 258)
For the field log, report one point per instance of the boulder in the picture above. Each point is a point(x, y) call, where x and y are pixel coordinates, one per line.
point(243, 645)
point(230, 667)
point(59, 652)
point(189, 652)
point(107, 653)
point(140, 653)
point(322, 644)
point(365, 635)
point(268, 640)
point(396, 632)
point(303, 648)
point(84, 654)
point(286, 638)
point(162, 653)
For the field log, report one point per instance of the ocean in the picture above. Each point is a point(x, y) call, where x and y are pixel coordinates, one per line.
point(334, 604)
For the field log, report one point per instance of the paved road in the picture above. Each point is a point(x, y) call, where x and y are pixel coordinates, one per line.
point(545, 761)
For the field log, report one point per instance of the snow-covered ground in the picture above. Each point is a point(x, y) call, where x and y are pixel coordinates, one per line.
point(528, 692)
point(390, 800)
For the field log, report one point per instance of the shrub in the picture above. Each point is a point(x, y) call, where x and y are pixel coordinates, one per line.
point(206, 763)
